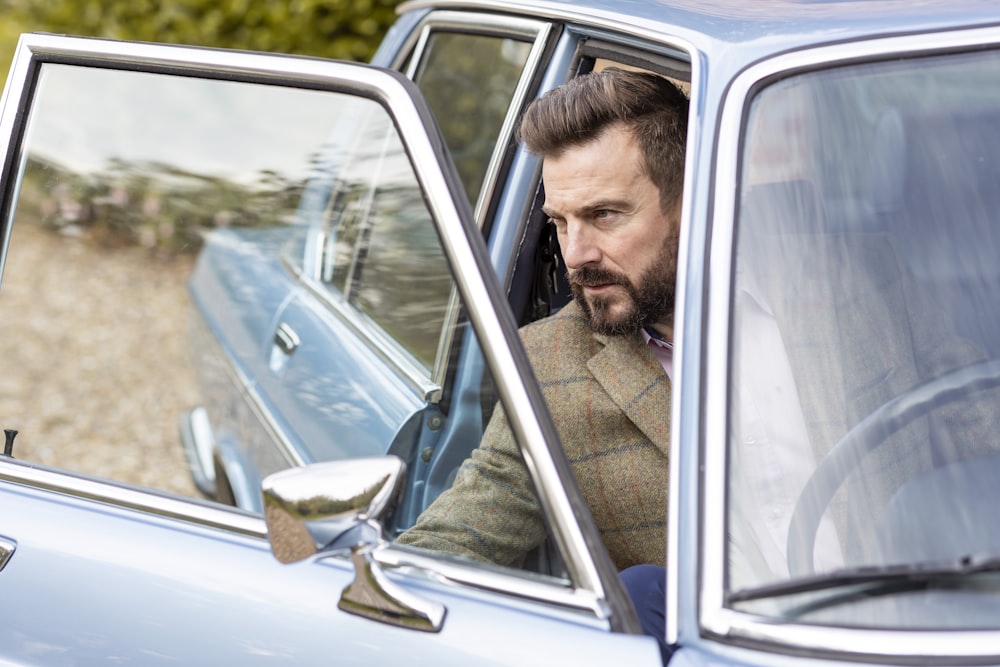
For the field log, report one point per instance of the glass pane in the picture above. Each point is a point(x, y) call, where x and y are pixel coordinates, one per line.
point(403, 282)
point(123, 175)
point(382, 254)
point(863, 422)
point(469, 82)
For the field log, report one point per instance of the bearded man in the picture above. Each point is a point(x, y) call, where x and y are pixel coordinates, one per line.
point(612, 148)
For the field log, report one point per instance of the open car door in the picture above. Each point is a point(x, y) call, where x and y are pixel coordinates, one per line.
point(94, 570)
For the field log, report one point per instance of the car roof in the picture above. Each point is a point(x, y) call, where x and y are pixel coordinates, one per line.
point(760, 27)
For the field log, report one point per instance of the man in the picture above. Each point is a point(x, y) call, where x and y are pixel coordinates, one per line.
point(612, 145)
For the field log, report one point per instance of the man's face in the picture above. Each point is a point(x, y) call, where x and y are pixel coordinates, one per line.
point(620, 248)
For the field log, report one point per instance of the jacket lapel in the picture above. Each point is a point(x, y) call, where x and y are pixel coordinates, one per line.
point(633, 378)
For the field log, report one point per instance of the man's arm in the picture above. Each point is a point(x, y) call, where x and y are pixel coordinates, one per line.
point(490, 513)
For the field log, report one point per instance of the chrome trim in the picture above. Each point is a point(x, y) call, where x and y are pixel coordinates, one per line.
point(499, 25)
point(199, 445)
point(388, 348)
point(286, 339)
point(715, 619)
point(483, 577)
point(623, 24)
point(157, 503)
point(416, 54)
point(7, 548)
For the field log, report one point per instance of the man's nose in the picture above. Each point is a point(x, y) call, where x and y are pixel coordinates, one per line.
point(578, 245)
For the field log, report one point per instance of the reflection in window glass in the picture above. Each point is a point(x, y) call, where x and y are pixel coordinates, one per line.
point(382, 252)
point(866, 282)
point(123, 174)
point(469, 82)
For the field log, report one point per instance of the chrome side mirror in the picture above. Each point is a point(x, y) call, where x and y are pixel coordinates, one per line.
point(325, 507)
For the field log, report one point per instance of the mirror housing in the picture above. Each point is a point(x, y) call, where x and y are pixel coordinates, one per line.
point(339, 505)
point(326, 506)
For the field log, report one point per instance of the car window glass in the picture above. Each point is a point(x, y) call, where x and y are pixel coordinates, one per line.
point(111, 217)
point(469, 81)
point(381, 253)
point(863, 399)
point(112, 207)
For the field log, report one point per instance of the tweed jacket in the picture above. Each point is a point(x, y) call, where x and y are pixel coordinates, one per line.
point(610, 400)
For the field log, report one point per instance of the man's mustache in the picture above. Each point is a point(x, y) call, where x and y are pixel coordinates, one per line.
point(588, 276)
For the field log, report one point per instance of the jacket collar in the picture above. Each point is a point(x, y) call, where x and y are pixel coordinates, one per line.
point(634, 379)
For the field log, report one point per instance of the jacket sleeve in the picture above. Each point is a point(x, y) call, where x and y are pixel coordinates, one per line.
point(491, 512)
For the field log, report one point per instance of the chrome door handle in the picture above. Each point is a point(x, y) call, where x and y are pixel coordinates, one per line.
point(286, 339)
point(7, 547)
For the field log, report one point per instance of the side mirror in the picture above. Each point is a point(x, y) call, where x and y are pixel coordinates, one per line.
point(326, 507)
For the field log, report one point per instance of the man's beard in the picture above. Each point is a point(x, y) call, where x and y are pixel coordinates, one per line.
point(646, 303)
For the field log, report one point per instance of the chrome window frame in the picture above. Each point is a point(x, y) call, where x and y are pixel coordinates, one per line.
point(594, 584)
point(535, 32)
point(715, 619)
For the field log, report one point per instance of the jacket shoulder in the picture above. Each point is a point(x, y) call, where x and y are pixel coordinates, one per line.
point(568, 325)
point(560, 345)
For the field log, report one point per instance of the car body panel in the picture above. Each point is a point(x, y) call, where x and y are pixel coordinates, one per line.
point(107, 583)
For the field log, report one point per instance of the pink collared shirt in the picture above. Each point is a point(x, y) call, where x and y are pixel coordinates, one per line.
point(663, 350)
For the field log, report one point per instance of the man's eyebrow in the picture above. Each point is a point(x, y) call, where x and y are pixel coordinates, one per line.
point(615, 204)
point(590, 207)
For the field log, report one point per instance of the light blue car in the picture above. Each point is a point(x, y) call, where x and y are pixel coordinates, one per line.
point(373, 239)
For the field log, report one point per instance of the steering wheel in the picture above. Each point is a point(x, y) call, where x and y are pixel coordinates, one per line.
point(865, 437)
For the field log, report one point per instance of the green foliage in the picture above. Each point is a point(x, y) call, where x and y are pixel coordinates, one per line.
point(149, 205)
point(344, 29)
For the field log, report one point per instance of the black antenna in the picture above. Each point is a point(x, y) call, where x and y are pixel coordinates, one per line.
point(8, 444)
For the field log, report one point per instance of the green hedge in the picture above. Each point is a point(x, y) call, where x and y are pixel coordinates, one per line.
point(345, 29)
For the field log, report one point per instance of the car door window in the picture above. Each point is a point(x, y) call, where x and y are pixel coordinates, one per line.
point(121, 175)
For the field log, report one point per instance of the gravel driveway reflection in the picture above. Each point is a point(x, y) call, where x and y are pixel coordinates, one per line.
point(96, 369)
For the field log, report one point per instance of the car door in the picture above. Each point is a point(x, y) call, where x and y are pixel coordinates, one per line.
point(93, 570)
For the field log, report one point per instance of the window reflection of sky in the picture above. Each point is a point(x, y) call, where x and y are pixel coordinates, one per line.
point(85, 118)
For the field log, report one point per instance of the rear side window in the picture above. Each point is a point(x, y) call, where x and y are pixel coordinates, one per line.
point(469, 81)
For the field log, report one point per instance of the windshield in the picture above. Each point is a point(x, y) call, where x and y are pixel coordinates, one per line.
point(864, 429)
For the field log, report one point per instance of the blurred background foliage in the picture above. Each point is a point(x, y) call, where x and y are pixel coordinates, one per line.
point(344, 29)
point(131, 204)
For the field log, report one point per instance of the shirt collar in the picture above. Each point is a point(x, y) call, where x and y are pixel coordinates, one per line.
point(650, 335)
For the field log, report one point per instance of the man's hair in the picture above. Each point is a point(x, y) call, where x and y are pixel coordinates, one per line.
point(652, 108)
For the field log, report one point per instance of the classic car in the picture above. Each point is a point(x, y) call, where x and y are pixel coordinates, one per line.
point(372, 240)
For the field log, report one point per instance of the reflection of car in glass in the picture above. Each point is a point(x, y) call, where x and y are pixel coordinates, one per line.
point(373, 238)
